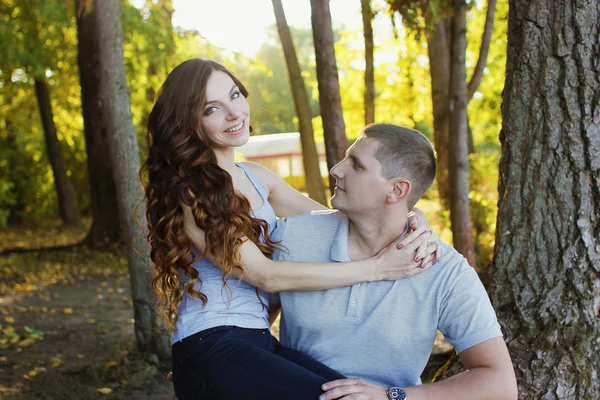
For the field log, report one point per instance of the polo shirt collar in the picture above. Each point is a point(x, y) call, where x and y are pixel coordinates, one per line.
point(339, 249)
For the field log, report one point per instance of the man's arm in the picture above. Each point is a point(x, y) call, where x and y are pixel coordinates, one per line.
point(489, 376)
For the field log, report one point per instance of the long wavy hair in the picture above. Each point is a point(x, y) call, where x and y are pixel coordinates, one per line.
point(182, 169)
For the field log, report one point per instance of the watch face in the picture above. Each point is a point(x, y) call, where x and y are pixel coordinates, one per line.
point(397, 393)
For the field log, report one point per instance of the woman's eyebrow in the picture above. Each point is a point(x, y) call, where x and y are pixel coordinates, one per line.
point(216, 101)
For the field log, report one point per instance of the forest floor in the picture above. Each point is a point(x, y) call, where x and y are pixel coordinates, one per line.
point(66, 323)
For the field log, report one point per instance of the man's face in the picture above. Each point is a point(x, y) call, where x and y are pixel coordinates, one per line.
point(360, 188)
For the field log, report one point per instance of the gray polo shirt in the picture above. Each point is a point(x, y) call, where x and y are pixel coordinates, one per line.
point(379, 331)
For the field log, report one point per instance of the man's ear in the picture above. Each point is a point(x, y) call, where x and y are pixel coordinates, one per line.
point(399, 191)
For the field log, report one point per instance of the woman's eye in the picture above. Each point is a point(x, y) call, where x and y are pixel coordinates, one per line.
point(209, 111)
point(235, 95)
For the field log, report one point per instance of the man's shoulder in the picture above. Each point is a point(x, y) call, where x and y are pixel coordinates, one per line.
point(315, 227)
point(452, 267)
point(318, 216)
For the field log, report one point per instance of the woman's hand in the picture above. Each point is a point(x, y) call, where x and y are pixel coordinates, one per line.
point(400, 260)
point(428, 253)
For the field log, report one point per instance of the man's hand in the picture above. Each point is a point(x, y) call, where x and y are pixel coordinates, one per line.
point(353, 389)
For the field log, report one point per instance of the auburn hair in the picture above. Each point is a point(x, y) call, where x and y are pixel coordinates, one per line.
point(181, 169)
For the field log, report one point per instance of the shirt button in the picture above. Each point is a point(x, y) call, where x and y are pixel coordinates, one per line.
point(358, 285)
point(353, 303)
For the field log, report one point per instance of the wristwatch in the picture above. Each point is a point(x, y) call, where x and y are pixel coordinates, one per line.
point(396, 393)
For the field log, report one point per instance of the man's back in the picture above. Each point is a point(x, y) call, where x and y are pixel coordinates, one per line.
point(379, 331)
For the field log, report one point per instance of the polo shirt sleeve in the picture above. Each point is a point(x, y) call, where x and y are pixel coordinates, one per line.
point(467, 317)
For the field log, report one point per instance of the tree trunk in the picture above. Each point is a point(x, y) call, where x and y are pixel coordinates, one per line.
point(125, 159)
point(161, 15)
point(310, 157)
point(103, 195)
point(15, 210)
point(67, 201)
point(460, 214)
point(483, 50)
point(438, 47)
point(367, 18)
point(330, 101)
point(546, 270)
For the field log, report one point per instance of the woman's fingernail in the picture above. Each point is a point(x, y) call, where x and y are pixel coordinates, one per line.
point(400, 246)
point(434, 261)
point(322, 397)
point(417, 259)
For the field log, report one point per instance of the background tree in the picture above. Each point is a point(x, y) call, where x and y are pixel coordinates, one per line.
point(440, 20)
point(460, 211)
point(124, 154)
point(367, 19)
point(103, 195)
point(546, 276)
point(330, 102)
point(310, 158)
point(67, 201)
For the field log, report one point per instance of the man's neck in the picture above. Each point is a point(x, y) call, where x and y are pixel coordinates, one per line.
point(368, 235)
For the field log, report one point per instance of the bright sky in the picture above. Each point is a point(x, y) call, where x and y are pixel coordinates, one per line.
point(239, 25)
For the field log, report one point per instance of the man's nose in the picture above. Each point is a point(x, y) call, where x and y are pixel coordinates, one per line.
point(336, 171)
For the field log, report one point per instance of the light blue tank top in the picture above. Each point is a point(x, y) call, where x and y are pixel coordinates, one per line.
point(240, 306)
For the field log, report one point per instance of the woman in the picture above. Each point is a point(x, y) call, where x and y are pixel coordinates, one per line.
point(209, 222)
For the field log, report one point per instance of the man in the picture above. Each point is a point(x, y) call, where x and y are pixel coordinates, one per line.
point(383, 332)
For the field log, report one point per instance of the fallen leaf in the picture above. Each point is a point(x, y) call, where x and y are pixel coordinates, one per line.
point(110, 364)
point(26, 342)
point(67, 310)
point(9, 320)
point(104, 390)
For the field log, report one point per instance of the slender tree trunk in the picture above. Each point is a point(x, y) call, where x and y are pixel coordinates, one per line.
point(15, 211)
point(546, 270)
point(438, 46)
point(460, 213)
point(103, 194)
point(67, 201)
point(310, 157)
point(367, 18)
point(125, 157)
point(483, 50)
point(330, 100)
point(161, 16)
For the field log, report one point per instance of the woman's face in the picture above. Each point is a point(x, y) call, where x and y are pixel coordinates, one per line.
point(226, 115)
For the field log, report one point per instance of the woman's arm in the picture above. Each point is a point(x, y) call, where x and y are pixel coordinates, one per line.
point(284, 199)
point(275, 276)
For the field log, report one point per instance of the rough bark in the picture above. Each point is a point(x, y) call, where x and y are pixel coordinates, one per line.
point(546, 270)
point(103, 195)
point(124, 154)
point(67, 201)
point(460, 210)
point(438, 47)
point(369, 96)
point(330, 101)
point(310, 157)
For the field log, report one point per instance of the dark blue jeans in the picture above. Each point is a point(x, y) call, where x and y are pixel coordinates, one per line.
point(229, 362)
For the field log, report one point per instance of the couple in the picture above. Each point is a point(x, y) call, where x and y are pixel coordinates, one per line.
point(219, 249)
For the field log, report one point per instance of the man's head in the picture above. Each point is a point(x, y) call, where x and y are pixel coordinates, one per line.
point(387, 164)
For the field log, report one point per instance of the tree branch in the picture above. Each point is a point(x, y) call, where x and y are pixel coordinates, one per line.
point(483, 51)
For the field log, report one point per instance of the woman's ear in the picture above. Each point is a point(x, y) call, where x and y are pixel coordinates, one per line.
point(399, 191)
